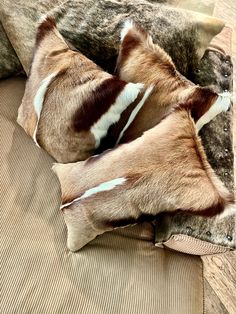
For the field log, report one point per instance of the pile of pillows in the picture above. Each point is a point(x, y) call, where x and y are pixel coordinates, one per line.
point(184, 35)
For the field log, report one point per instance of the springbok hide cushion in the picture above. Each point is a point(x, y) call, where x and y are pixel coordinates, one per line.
point(182, 232)
point(9, 62)
point(196, 235)
point(93, 27)
point(69, 102)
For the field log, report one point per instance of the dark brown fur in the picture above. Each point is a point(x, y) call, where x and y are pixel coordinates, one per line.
point(129, 43)
point(201, 101)
point(128, 221)
point(215, 209)
point(97, 104)
point(44, 28)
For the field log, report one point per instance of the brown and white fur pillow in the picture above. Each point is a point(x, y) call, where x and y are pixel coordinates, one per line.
point(69, 102)
point(164, 170)
point(140, 60)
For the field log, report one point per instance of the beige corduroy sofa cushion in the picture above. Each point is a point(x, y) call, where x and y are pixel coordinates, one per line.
point(119, 272)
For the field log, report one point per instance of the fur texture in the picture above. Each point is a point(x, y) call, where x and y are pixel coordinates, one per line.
point(93, 27)
point(140, 60)
point(217, 141)
point(39, 99)
point(165, 170)
point(75, 102)
point(9, 62)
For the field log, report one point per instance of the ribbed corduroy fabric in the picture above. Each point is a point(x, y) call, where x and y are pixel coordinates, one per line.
point(190, 245)
point(119, 272)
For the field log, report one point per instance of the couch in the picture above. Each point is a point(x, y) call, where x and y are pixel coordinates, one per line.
point(119, 272)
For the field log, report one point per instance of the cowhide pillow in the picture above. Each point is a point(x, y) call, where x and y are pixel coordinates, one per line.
point(196, 235)
point(93, 28)
point(9, 62)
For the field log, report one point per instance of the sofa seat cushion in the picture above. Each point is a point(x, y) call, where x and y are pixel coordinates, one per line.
point(119, 272)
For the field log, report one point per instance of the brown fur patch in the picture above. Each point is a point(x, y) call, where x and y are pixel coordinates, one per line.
point(97, 104)
point(128, 221)
point(58, 52)
point(129, 43)
point(139, 39)
point(215, 209)
point(201, 101)
point(47, 25)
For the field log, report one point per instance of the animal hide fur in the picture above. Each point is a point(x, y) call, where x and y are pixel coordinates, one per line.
point(93, 28)
point(217, 141)
point(9, 63)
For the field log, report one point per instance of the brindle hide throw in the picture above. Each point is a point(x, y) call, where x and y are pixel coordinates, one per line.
point(30, 11)
point(9, 62)
point(98, 35)
point(93, 28)
point(19, 19)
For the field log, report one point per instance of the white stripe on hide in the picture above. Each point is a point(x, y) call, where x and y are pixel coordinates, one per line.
point(39, 99)
point(221, 104)
point(128, 25)
point(135, 112)
point(124, 99)
point(105, 186)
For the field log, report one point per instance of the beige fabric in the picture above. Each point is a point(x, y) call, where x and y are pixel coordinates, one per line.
point(186, 244)
point(223, 41)
point(119, 272)
point(203, 6)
